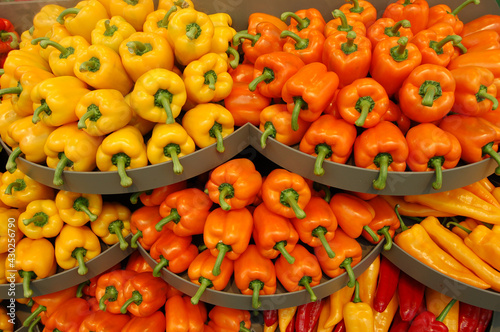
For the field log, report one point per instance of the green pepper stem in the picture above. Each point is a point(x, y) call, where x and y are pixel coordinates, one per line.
point(227, 190)
point(436, 164)
point(217, 132)
point(394, 30)
point(79, 290)
point(349, 46)
point(92, 112)
point(454, 39)
point(488, 149)
point(269, 130)
point(344, 26)
point(135, 298)
point(256, 286)
point(463, 5)
point(326, 189)
point(290, 199)
point(301, 22)
point(93, 65)
point(400, 53)
point(267, 76)
point(305, 281)
point(161, 264)
point(483, 94)
point(356, 298)
point(384, 160)
point(165, 103)
point(280, 246)
point(211, 79)
point(125, 180)
point(193, 31)
point(401, 222)
point(116, 228)
point(323, 150)
point(384, 231)
point(35, 322)
point(243, 328)
point(172, 216)
point(445, 311)
point(34, 314)
point(138, 48)
point(27, 277)
point(65, 52)
point(231, 51)
point(299, 104)
point(300, 43)
point(82, 204)
point(44, 107)
point(63, 162)
point(15, 41)
point(245, 35)
point(135, 238)
point(110, 294)
point(134, 198)
point(172, 152)
point(164, 22)
point(11, 165)
point(12, 90)
point(223, 250)
point(17, 185)
point(67, 11)
point(319, 232)
point(204, 284)
point(346, 264)
point(468, 231)
point(39, 219)
point(372, 234)
point(365, 105)
point(356, 8)
point(79, 255)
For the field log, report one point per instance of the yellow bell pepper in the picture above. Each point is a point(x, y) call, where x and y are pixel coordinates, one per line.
point(41, 219)
point(17, 58)
point(54, 100)
point(45, 18)
point(157, 22)
point(208, 124)
point(6, 323)
point(106, 4)
point(337, 301)
point(207, 79)
point(121, 150)
point(135, 12)
point(63, 56)
point(158, 96)
point(179, 4)
point(368, 282)
point(26, 45)
point(71, 149)
point(76, 209)
point(169, 142)
point(81, 20)
point(436, 302)
point(143, 51)
point(30, 138)
point(111, 32)
point(74, 246)
point(191, 32)
point(144, 126)
point(3, 261)
point(101, 68)
point(102, 111)
point(358, 316)
point(9, 230)
point(382, 320)
point(7, 117)
point(18, 189)
point(113, 224)
point(33, 259)
point(57, 32)
point(223, 37)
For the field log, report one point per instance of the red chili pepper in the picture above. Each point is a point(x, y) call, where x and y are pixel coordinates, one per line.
point(340, 327)
point(411, 295)
point(468, 317)
point(484, 320)
point(387, 284)
point(270, 317)
point(399, 325)
point(428, 322)
point(307, 316)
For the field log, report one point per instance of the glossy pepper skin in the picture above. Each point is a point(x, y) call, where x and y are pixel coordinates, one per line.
point(77, 209)
point(265, 40)
point(234, 184)
point(135, 13)
point(143, 294)
point(358, 316)
point(185, 212)
point(349, 55)
point(412, 296)
point(363, 10)
point(485, 22)
point(276, 122)
point(33, 259)
point(254, 275)
point(18, 190)
point(156, 196)
point(307, 316)
point(45, 18)
point(245, 106)
point(436, 48)
point(69, 315)
point(5, 230)
point(387, 285)
point(271, 72)
point(81, 19)
point(348, 253)
point(229, 320)
point(255, 18)
point(182, 315)
point(481, 41)
point(62, 54)
point(368, 282)
point(69, 148)
point(307, 44)
point(111, 32)
point(40, 220)
point(121, 150)
point(109, 286)
point(103, 321)
point(200, 273)
point(285, 193)
point(342, 23)
point(353, 214)
point(427, 321)
point(142, 225)
point(175, 253)
point(113, 224)
point(384, 224)
point(487, 59)
point(153, 323)
point(208, 124)
point(76, 245)
point(441, 150)
point(442, 13)
point(385, 28)
point(310, 18)
point(273, 234)
point(468, 318)
point(477, 136)
point(415, 11)
point(304, 273)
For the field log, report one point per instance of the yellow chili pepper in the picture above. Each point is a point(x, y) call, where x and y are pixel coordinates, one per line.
point(18, 189)
point(468, 223)
point(101, 68)
point(323, 317)
point(158, 96)
point(45, 18)
point(102, 111)
point(169, 142)
point(135, 12)
point(157, 22)
point(121, 150)
point(207, 79)
point(337, 301)
point(74, 246)
point(368, 282)
point(285, 316)
point(30, 138)
point(9, 231)
point(179, 4)
point(382, 320)
point(436, 302)
point(71, 149)
point(143, 51)
point(208, 124)
point(34, 259)
point(6, 324)
point(144, 126)
point(358, 316)
point(271, 328)
point(63, 55)
point(191, 33)
point(76, 209)
point(54, 100)
point(41, 219)
point(111, 32)
point(455, 246)
point(81, 20)
point(113, 224)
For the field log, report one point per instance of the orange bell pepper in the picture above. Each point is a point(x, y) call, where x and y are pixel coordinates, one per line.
point(245, 105)
point(442, 13)
point(255, 18)
point(153, 323)
point(307, 44)
point(273, 234)
point(108, 289)
point(484, 22)
point(254, 275)
point(435, 47)
point(200, 273)
point(227, 234)
point(397, 55)
point(384, 224)
point(353, 214)
point(349, 55)
point(224, 319)
point(481, 41)
point(156, 196)
point(348, 253)
point(489, 59)
point(363, 10)
point(343, 23)
point(415, 11)
point(440, 150)
point(319, 225)
point(182, 315)
point(69, 315)
point(304, 19)
point(103, 321)
point(385, 28)
point(143, 294)
point(395, 115)
point(285, 193)
point(382, 147)
point(328, 138)
point(265, 40)
point(428, 93)
point(304, 273)
point(276, 122)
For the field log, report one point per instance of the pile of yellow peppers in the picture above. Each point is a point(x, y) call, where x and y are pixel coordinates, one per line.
point(102, 85)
